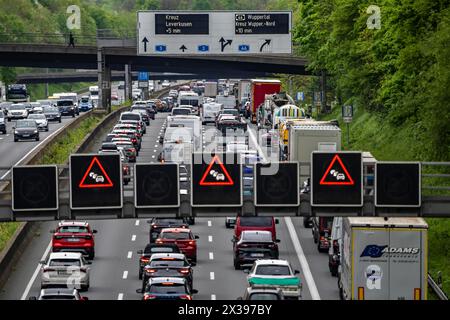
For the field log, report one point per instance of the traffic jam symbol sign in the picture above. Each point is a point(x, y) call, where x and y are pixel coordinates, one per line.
point(336, 179)
point(218, 176)
point(157, 185)
point(95, 181)
point(216, 180)
point(337, 174)
point(34, 188)
point(95, 176)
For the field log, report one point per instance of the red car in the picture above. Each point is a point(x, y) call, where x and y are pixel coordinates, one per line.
point(74, 236)
point(255, 224)
point(183, 238)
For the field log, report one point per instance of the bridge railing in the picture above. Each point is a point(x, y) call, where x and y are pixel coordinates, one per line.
point(47, 38)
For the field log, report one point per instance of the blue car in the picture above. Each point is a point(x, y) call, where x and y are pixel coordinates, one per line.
point(85, 104)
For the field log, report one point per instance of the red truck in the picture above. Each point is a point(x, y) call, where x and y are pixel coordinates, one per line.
point(258, 91)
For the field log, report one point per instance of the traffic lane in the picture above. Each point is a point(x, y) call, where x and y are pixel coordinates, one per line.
point(22, 274)
point(150, 142)
point(318, 262)
point(11, 152)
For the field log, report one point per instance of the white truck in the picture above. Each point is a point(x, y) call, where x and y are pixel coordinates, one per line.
point(93, 93)
point(210, 89)
point(383, 259)
point(192, 122)
point(210, 111)
point(228, 101)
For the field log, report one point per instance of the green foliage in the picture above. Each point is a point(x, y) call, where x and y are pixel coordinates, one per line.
point(7, 229)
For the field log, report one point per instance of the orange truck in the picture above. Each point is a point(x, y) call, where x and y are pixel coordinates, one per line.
point(258, 90)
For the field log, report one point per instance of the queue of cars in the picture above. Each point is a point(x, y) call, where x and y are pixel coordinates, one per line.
point(166, 264)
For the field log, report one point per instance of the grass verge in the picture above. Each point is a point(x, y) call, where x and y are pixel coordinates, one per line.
point(368, 132)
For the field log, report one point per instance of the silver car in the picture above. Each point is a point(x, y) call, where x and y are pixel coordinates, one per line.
point(65, 269)
point(41, 120)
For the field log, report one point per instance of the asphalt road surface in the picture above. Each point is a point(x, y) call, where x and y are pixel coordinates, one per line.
point(114, 271)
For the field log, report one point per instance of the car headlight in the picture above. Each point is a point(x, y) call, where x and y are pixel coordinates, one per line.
point(16, 132)
point(35, 131)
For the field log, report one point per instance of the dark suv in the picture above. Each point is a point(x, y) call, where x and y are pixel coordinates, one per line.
point(157, 224)
point(66, 108)
point(321, 231)
point(252, 246)
point(26, 130)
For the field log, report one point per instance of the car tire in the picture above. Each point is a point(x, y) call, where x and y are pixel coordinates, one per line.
point(194, 259)
point(59, 120)
point(227, 225)
point(334, 272)
point(4, 132)
point(9, 119)
point(85, 287)
point(125, 183)
point(305, 223)
point(46, 129)
point(237, 265)
point(15, 139)
point(37, 139)
point(140, 274)
point(91, 256)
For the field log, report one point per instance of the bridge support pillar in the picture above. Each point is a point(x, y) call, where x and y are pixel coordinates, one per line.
point(128, 83)
point(104, 82)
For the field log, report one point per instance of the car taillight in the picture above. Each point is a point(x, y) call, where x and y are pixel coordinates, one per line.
point(149, 296)
point(335, 243)
point(134, 140)
point(191, 243)
point(150, 270)
point(145, 259)
point(58, 237)
point(133, 150)
point(159, 241)
point(184, 271)
point(186, 297)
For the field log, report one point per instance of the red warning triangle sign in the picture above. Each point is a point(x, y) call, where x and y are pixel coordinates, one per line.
point(216, 177)
point(337, 174)
point(95, 176)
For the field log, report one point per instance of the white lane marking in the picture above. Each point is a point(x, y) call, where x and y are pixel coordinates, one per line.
point(8, 135)
point(211, 256)
point(133, 237)
point(211, 275)
point(155, 150)
point(130, 254)
point(137, 222)
point(209, 223)
point(213, 297)
point(302, 259)
point(36, 272)
point(1, 138)
point(37, 146)
point(209, 238)
point(153, 157)
point(125, 274)
point(156, 146)
point(120, 296)
point(157, 141)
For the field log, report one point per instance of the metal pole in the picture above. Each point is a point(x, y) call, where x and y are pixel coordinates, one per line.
point(46, 88)
point(348, 134)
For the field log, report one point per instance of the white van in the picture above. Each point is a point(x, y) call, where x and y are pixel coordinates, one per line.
point(210, 111)
point(189, 98)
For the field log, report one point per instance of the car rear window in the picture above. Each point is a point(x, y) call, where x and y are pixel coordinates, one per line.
point(74, 229)
point(168, 221)
point(273, 270)
point(256, 222)
point(130, 116)
point(64, 103)
point(176, 235)
point(65, 262)
point(168, 263)
point(327, 223)
point(167, 289)
point(184, 112)
point(160, 250)
point(58, 297)
point(263, 296)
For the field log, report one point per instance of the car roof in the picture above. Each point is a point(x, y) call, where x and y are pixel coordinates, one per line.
point(167, 279)
point(272, 261)
point(73, 223)
point(177, 256)
point(65, 255)
point(176, 230)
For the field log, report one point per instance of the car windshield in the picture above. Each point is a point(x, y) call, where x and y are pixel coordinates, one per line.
point(50, 110)
point(58, 297)
point(173, 288)
point(36, 116)
point(168, 263)
point(231, 111)
point(256, 221)
point(273, 270)
point(175, 235)
point(25, 124)
point(130, 116)
point(17, 107)
point(159, 250)
point(181, 111)
point(65, 103)
point(263, 296)
point(65, 262)
point(74, 229)
point(85, 100)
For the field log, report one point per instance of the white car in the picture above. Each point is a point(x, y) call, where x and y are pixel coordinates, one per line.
point(40, 119)
point(276, 273)
point(17, 111)
point(36, 107)
point(66, 269)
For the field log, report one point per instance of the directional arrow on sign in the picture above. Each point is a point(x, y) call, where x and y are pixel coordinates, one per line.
point(183, 48)
point(145, 41)
point(225, 43)
point(267, 43)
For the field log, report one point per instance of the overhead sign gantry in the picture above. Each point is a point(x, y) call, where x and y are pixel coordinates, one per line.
point(214, 32)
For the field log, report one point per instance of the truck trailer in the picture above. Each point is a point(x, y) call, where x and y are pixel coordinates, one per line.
point(383, 259)
point(258, 91)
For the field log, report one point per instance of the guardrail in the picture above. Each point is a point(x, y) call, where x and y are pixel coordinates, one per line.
point(437, 289)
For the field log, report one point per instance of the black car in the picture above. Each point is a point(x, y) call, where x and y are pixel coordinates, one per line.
point(66, 108)
point(253, 245)
point(157, 224)
point(108, 146)
point(2, 123)
point(26, 130)
point(52, 114)
point(150, 113)
point(152, 248)
point(167, 289)
point(173, 265)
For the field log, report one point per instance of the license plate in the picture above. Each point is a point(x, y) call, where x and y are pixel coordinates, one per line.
point(63, 273)
point(26, 135)
point(73, 240)
point(257, 255)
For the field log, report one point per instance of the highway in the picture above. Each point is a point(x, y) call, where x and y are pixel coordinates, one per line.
point(114, 272)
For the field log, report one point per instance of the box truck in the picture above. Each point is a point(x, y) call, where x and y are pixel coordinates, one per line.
point(258, 91)
point(383, 259)
point(210, 89)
